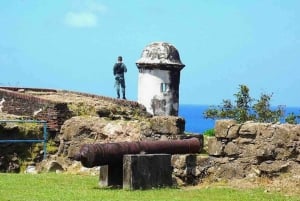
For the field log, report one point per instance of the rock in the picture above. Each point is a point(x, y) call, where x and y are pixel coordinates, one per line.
point(231, 149)
point(54, 166)
point(256, 171)
point(265, 131)
point(248, 160)
point(169, 125)
point(30, 170)
point(273, 167)
point(222, 128)
point(164, 138)
point(221, 160)
point(215, 147)
point(233, 132)
point(281, 135)
point(282, 154)
point(190, 168)
point(298, 158)
point(80, 130)
point(178, 161)
point(230, 171)
point(14, 167)
point(103, 111)
point(145, 129)
point(248, 129)
point(266, 152)
point(90, 171)
point(244, 141)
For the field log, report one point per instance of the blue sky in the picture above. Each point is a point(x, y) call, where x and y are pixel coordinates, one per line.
point(73, 45)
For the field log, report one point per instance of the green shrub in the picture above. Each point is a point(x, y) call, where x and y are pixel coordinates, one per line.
point(242, 109)
point(292, 118)
point(209, 132)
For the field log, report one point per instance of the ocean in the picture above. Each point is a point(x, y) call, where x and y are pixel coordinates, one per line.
point(196, 123)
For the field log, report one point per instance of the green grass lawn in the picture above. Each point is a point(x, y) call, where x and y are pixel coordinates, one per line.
point(66, 187)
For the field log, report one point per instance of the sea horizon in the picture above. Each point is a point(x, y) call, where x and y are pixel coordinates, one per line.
point(195, 122)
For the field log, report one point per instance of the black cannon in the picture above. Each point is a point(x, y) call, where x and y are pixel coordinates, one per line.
point(92, 155)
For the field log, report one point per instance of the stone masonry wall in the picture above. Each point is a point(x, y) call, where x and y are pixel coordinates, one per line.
point(55, 113)
point(15, 100)
point(247, 150)
point(254, 149)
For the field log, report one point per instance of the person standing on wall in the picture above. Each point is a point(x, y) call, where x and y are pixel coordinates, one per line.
point(119, 70)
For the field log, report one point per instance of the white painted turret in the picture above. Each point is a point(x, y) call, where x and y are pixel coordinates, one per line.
point(1, 104)
point(159, 78)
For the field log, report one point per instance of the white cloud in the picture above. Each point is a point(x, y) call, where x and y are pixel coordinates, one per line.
point(86, 15)
point(81, 19)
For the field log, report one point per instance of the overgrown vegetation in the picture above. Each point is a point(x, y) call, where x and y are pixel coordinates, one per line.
point(243, 109)
point(292, 118)
point(82, 109)
point(209, 132)
point(58, 187)
point(14, 157)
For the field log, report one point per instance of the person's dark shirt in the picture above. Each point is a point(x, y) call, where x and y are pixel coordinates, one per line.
point(119, 69)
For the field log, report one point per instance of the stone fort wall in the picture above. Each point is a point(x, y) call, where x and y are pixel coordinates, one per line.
point(31, 107)
point(251, 148)
point(247, 150)
point(237, 151)
point(16, 101)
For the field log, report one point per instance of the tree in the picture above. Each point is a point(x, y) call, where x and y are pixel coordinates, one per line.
point(243, 104)
point(292, 118)
point(243, 110)
point(263, 110)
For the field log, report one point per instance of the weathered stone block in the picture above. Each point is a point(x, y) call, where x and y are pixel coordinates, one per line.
point(215, 147)
point(282, 134)
point(191, 171)
point(244, 141)
point(265, 131)
point(266, 151)
point(249, 128)
point(298, 158)
point(282, 154)
point(178, 161)
point(273, 167)
point(222, 128)
point(190, 168)
point(169, 125)
point(231, 149)
point(231, 170)
point(145, 171)
point(249, 151)
point(248, 160)
point(233, 131)
point(295, 133)
point(221, 160)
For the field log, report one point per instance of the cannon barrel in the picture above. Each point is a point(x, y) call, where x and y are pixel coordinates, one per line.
point(92, 155)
